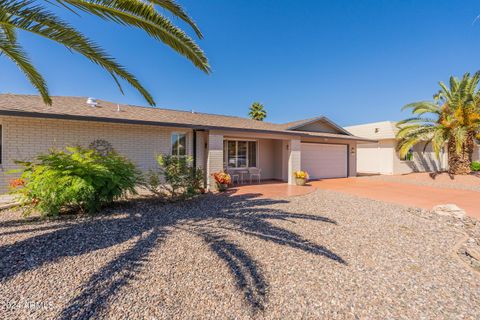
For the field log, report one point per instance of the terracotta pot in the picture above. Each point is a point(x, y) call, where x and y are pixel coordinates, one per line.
point(300, 182)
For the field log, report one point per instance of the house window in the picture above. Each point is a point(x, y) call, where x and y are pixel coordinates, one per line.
point(408, 156)
point(240, 153)
point(179, 144)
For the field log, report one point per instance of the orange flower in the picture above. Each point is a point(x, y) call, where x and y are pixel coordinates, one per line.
point(15, 183)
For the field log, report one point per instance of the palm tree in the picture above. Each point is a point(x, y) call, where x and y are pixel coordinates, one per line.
point(257, 112)
point(452, 119)
point(35, 18)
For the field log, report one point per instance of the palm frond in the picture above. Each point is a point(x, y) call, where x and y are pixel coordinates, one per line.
point(178, 11)
point(429, 121)
point(440, 137)
point(423, 107)
point(14, 52)
point(460, 136)
point(36, 20)
point(9, 32)
point(138, 14)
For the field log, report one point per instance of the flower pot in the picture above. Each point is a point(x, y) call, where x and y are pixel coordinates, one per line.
point(300, 182)
point(222, 187)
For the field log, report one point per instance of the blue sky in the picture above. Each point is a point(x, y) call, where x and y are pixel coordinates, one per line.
point(353, 61)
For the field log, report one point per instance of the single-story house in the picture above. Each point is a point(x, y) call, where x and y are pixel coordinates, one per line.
point(382, 156)
point(215, 142)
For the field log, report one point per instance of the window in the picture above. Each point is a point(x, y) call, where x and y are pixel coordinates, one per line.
point(240, 154)
point(408, 156)
point(179, 144)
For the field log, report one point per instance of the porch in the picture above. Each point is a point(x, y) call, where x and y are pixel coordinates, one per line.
point(261, 158)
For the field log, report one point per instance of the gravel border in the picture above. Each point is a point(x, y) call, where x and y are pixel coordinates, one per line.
point(433, 183)
point(324, 255)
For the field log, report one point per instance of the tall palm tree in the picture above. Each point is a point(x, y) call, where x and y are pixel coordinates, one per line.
point(452, 119)
point(34, 16)
point(257, 112)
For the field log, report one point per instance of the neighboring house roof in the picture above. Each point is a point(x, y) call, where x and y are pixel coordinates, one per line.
point(307, 123)
point(376, 130)
point(76, 108)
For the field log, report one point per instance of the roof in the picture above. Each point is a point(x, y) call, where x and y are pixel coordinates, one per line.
point(298, 125)
point(76, 108)
point(375, 130)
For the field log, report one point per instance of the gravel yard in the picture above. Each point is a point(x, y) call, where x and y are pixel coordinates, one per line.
point(441, 180)
point(323, 255)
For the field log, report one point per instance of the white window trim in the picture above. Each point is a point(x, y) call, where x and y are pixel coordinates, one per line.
point(186, 143)
point(225, 156)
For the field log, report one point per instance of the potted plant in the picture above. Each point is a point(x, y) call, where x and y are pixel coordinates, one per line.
point(222, 180)
point(301, 177)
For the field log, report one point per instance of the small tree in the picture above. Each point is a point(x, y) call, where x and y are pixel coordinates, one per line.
point(257, 112)
point(176, 178)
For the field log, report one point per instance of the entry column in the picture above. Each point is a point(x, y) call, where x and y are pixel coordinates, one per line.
point(214, 157)
point(294, 159)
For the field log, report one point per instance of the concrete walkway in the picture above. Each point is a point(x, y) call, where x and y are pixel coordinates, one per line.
point(270, 189)
point(7, 201)
point(425, 197)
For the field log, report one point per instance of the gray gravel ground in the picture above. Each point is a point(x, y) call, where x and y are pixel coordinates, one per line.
point(454, 184)
point(325, 255)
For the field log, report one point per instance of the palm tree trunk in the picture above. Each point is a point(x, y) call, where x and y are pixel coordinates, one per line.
point(458, 163)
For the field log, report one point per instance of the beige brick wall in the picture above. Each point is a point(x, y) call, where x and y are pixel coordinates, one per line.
point(23, 138)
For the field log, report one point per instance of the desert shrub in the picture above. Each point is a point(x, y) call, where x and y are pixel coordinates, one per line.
point(475, 166)
point(175, 178)
point(77, 178)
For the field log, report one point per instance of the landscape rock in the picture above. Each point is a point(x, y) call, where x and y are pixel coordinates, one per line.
point(451, 210)
point(474, 253)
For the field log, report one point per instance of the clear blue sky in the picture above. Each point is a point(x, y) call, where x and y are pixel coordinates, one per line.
point(353, 61)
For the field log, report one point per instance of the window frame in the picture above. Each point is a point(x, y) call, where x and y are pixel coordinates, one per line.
point(225, 153)
point(186, 143)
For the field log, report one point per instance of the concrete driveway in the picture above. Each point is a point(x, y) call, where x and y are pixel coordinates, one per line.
point(415, 191)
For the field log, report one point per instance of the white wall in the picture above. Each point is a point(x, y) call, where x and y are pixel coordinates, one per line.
point(375, 157)
point(476, 153)
point(383, 158)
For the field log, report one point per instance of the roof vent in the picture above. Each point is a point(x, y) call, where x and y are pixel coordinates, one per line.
point(92, 102)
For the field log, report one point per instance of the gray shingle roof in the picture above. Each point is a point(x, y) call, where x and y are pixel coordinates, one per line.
point(76, 108)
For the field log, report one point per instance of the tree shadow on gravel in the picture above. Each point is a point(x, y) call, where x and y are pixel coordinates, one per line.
point(211, 218)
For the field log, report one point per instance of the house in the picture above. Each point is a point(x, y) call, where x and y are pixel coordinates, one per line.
point(216, 142)
point(382, 156)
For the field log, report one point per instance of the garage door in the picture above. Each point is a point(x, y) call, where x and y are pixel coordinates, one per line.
point(325, 160)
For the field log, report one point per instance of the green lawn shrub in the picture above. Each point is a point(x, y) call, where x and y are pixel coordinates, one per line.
point(475, 166)
point(77, 178)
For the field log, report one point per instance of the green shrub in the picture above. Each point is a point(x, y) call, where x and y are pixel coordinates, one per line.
point(176, 178)
point(475, 166)
point(76, 178)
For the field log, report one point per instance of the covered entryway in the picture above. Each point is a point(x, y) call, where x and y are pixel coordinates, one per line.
point(324, 160)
